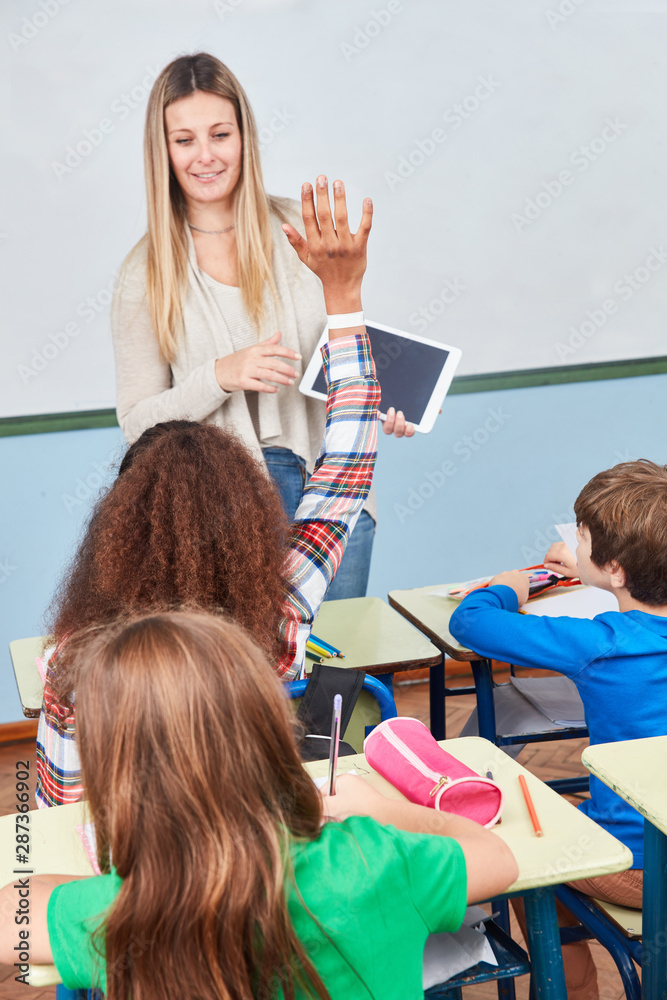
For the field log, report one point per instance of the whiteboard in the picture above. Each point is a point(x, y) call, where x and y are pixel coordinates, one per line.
point(515, 151)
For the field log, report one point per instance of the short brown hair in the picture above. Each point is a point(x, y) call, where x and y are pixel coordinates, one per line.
point(625, 510)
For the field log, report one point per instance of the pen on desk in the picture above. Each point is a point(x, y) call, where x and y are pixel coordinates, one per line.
point(489, 775)
point(531, 808)
point(335, 736)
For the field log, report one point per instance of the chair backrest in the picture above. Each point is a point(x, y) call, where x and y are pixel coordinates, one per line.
point(24, 653)
point(375, 704)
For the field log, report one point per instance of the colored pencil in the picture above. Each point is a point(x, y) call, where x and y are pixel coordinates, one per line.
point(326, 645)
point(531, 808)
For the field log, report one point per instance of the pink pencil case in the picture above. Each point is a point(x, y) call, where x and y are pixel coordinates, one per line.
point(404, 752)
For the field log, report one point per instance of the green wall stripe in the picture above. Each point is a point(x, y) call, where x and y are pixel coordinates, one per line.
point(558, 376)
point(493, 382)
point(43, 423)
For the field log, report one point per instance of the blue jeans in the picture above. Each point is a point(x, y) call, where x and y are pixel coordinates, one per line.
point(288, 472)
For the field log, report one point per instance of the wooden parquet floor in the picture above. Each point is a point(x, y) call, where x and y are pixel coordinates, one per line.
point(556, 759)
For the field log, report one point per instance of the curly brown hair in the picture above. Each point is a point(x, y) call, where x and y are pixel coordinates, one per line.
point(192, 519)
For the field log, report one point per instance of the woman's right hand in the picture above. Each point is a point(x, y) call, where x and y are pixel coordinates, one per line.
point(559, 559)
point(254, 367)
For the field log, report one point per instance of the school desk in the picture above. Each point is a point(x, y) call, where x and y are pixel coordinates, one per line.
point(28, 681)
point(431, 613)
point(635, 771)
point(373, 637)
point(573, 846)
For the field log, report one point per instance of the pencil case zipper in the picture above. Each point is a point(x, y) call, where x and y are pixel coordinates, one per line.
point(441, 780)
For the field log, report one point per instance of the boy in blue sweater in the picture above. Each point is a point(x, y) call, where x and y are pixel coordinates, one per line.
point(618, 660)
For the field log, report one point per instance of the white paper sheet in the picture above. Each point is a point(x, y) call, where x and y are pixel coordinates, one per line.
point(446, 955)
point(585, 603)
point(321, 782)
point(568, 532)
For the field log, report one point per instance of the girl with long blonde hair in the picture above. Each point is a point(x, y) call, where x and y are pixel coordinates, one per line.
point(228, 881)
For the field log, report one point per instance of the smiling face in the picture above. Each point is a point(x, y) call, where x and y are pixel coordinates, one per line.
point(205, 147)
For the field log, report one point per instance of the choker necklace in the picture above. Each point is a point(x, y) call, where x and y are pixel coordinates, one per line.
point(212, 232)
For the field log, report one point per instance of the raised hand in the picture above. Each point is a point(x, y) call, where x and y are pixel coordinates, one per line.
point(330, 250)
point(253, 367)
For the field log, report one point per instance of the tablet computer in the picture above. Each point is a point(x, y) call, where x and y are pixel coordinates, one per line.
point(414, 373)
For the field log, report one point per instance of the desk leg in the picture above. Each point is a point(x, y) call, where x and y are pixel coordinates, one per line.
point(436, 683)
point(654, 938)
point(486, 710)
point(546, 958)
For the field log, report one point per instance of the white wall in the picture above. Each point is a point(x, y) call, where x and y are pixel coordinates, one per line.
point(461, 118)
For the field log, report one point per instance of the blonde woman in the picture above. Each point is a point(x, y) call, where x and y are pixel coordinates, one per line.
point(214, 311)
point(227, 884)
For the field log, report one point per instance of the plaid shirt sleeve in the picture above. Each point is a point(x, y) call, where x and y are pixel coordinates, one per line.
point(58, 763)
point(335, 493)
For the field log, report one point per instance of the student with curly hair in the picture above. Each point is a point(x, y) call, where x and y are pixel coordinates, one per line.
point(193, 518)
point(229, 882)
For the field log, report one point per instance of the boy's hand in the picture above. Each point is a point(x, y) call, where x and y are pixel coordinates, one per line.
point(559, 559)
point(518, 581)
point(354, 797)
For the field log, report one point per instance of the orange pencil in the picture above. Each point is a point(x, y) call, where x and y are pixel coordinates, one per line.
point(531, 808)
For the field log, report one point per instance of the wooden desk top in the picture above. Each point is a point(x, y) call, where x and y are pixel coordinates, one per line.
point(634, 769)
point(573, 846)
point(23, 653)
point(430, 609)
point(373, 636)
point(431, 612)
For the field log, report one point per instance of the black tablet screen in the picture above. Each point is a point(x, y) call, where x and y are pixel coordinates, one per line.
point(407, 370)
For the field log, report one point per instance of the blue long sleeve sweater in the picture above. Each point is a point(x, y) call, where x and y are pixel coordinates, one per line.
point(617, 660)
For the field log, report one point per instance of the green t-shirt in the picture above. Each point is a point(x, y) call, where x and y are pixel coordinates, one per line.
point(377, 893)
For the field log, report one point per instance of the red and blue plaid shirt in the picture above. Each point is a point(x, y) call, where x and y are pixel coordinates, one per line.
point(331, 503)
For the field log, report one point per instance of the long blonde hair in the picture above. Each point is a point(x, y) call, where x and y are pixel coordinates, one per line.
point(167, 235)
point(196, 788)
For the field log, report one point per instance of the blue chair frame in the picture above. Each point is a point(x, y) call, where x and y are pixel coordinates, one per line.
point(596, 924)
point(486, 718)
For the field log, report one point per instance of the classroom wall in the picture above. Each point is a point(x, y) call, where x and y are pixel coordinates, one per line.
point(479, 494)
